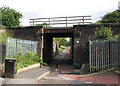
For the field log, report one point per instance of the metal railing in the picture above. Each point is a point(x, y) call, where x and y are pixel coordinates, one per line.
point(104, 54)
point(15, 46)
point(61, 21)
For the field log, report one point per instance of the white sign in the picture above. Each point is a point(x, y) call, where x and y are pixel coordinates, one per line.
point(77, 42)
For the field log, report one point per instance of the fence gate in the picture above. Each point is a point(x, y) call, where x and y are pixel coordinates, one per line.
point(15, 46)
point(104, 54)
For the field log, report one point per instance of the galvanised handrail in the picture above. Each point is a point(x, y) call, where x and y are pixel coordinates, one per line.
point(61, 20)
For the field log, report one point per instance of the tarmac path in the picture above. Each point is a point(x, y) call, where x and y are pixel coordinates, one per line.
point(63, 75)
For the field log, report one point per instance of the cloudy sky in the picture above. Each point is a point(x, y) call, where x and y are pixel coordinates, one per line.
point(60, 8)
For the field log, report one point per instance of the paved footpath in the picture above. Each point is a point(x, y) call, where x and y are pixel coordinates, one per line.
point(95, 79)
point(27, 77)
point(100, 78)
point(62, 77)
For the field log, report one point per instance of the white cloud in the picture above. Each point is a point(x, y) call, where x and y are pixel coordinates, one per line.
point(56, 8)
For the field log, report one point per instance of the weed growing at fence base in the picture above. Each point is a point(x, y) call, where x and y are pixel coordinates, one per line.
point(27, 59)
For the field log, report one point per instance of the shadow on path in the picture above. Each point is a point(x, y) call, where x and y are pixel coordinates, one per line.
point(62, 63)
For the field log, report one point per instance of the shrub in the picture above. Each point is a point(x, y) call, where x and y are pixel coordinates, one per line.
point(25, 60)
point(103, 32)
point(43, 63)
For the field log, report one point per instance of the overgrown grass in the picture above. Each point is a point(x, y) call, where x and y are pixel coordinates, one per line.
point(26, 60)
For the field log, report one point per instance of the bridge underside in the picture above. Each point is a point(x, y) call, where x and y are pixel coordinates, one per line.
point(49, 34)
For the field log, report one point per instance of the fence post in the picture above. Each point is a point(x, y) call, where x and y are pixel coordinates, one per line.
point(49, 22)
point(83, 20)
point(90, 54)
point(66, 21)
point(33, 22)
point(7, 47)
point(96, 55)
point(118, 53)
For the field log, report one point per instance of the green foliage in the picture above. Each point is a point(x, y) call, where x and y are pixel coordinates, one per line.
point(2, 27)
point(61, 48)
point(112, 17)
point(113, 38)
point(43, 63)
point(10, 17)
point(62, 41)
point(3, 35)
point(103, 32)
point(26, 60)
point(45, 25)
point(94, 68)
point(58, 40)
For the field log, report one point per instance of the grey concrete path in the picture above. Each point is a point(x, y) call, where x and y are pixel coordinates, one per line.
point(32, 73)
point(27, 77)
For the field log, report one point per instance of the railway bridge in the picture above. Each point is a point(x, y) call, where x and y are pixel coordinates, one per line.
point(80, 34)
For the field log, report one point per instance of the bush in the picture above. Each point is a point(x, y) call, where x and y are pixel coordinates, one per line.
point(3, 35)
point(43, 63)
point(60, 50)
point(103, 32)
point(25, 60)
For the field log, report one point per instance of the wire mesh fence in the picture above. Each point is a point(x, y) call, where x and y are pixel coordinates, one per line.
point(104, 54)
point(15, 46)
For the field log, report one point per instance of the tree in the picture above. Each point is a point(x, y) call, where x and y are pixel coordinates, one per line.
point(63, 42)
point(112, 17)
point(10, 17)
point(58, 41)
point(103, 32)
point(45, 25)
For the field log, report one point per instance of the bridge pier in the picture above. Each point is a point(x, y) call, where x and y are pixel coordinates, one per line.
point(48, 48)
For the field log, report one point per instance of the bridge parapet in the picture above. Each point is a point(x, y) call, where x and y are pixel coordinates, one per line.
point(66, 21)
